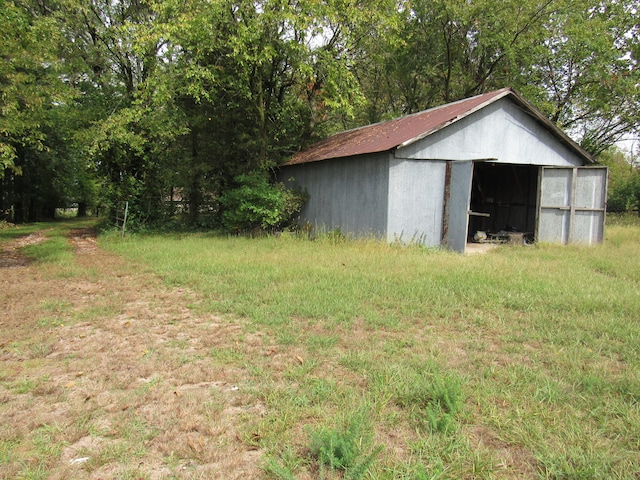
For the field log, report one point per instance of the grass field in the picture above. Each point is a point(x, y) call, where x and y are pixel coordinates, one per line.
point(426, 364)
point(370, 360)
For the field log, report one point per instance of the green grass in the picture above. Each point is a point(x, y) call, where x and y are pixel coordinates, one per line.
point(9, 231)
point(385, 362)
point(524, 362)
point(56, 248)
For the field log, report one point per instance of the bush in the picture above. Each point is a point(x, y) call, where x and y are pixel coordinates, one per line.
point(256, 203)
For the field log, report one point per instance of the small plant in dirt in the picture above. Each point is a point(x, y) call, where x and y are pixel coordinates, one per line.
point(432, 398)
point(444, 403)
point(288, 461)
point(344, 449)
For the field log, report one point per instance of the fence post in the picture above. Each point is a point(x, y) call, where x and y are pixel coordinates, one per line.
point(124, 220)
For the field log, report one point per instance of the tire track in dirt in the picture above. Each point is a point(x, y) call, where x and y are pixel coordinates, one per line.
point(11, 255)
point(118, 372)
point(84, 241)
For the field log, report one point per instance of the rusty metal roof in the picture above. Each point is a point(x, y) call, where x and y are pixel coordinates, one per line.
point(403, 131)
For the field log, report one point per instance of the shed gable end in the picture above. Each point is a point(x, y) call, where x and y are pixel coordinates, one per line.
point(502, 131)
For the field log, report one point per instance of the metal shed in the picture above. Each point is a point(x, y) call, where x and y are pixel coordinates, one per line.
point(491, 163)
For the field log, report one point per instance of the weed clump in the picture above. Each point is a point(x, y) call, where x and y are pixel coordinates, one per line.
point(344, 448)
point(432, 398)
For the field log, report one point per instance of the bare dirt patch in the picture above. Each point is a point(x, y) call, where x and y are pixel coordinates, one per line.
point(108, 373)
point(84, 241)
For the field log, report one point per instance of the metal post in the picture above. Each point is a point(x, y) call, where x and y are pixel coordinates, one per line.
point(124, 220)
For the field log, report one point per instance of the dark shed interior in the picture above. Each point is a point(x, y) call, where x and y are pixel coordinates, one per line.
point(503, 199)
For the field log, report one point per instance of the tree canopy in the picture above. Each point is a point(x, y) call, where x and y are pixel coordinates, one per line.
point(166, 103)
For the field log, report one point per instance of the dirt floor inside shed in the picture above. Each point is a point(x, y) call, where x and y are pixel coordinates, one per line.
point(106, 373)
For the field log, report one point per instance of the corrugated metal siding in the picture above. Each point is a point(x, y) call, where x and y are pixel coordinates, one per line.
point(572, 204)
point(350, 196)
point(502, 131)
point(416, 201)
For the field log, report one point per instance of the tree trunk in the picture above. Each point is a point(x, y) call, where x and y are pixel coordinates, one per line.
point(47, 212)
point(32, 211)
point(18, 212)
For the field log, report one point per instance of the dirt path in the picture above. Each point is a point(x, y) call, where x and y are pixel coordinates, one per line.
point(106, 373)
point(10, 255)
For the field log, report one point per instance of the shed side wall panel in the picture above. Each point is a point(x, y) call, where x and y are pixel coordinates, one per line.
point(501, 131)
point(346, 194)
point(416, 201)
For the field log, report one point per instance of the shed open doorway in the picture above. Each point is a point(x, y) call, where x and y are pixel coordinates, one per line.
point(503, 202)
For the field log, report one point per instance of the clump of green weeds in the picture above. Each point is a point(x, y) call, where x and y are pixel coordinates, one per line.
point(444, 401)
point(344, 448)
point(432, 398)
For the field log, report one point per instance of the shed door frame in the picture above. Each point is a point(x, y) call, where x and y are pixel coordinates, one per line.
point(457, 199)
point(572, 203)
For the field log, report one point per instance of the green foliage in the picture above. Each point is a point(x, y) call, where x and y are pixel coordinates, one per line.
point(274, 469)
point(343, 448)
point(584, 71)
point(40, 168)
point(256, 203)
point(434, 399)
point(36, 174)
point(29, 80)
point(573, 59)
point(335, 449)
point(624, 182)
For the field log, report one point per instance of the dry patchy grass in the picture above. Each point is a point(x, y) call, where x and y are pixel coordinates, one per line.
point(107, 374)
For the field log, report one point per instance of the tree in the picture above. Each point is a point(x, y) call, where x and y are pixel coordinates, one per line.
point(29, 81)
point(247, 84)
point(165, 103)
point(37, 172)
point(585, 75)
point(113, 55)
point(624, 181)
point(447, 50)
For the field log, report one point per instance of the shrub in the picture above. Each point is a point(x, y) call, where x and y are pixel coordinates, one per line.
point(256, 203)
